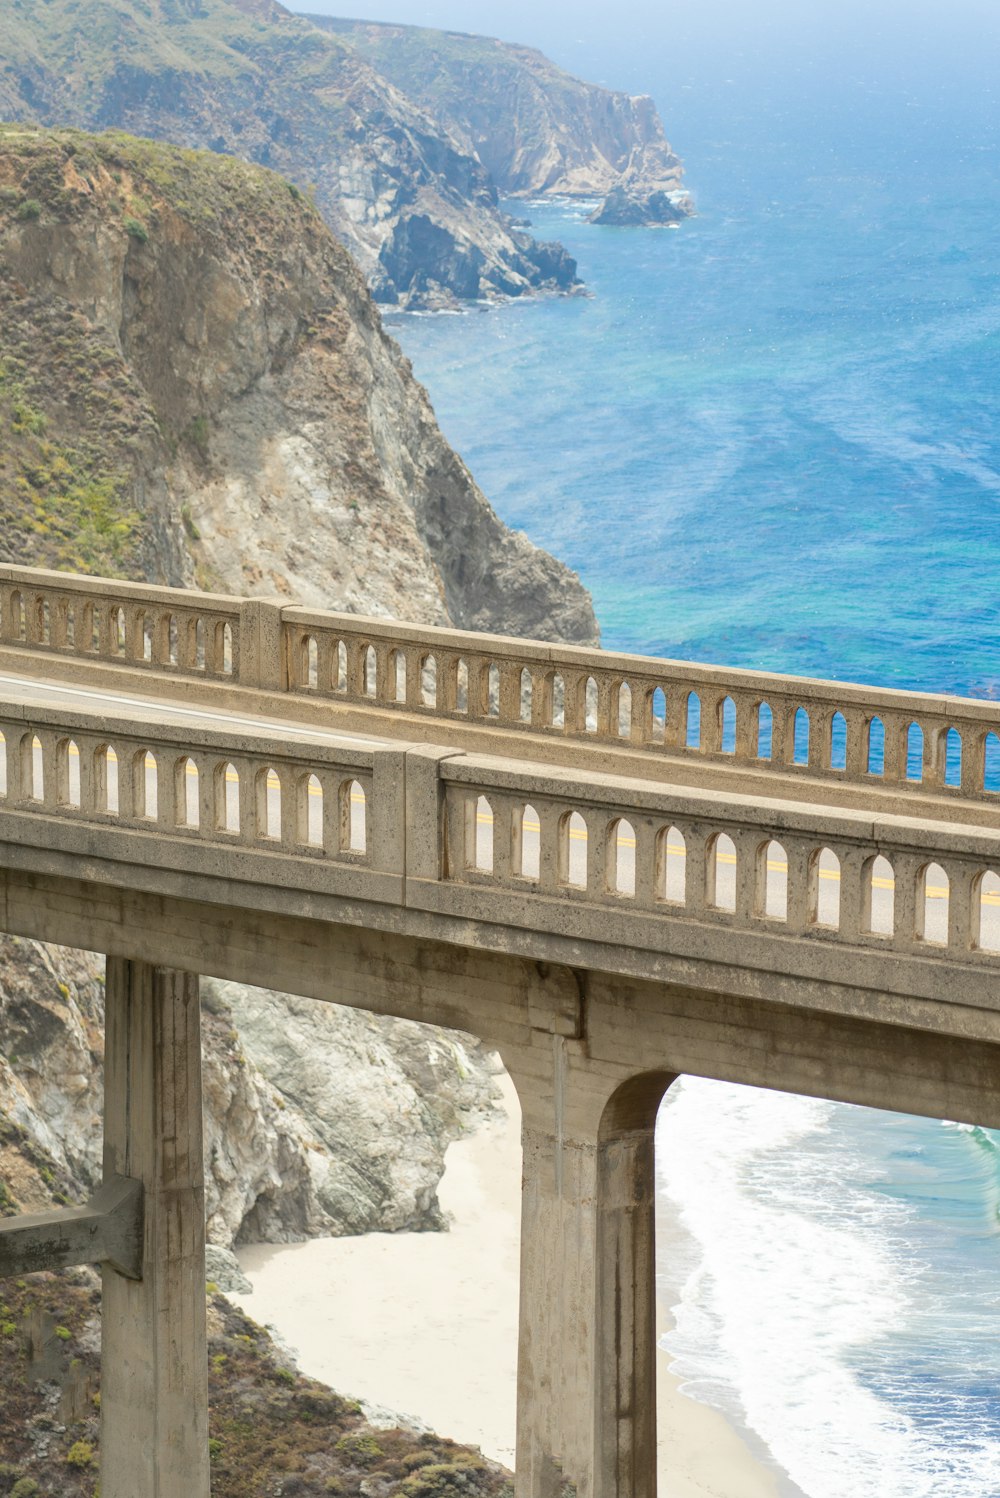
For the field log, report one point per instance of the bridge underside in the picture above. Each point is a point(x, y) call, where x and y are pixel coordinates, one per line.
point(591, 1053)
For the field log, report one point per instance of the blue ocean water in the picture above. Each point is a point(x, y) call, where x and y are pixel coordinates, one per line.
point(771, 438)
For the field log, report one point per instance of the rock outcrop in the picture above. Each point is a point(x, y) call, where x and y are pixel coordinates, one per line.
point(196, 386)
point(318, 1119)
point(247, 78)
point(536, 129)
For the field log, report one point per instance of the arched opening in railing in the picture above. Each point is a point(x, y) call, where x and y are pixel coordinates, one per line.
point(32, 772)
point(824, 889)
point(727, 725)
point(397, 675)
point(722, 872)
point(692, 737)
point(310, 663)
point(800, 737)
point(528, 843)
point(953, 757)
point(116, 632)
point(353, 817)
point(991, 763)
point(558, 701)
point(370, 676)
point(68, 773)
point(987, 909)
point(267, 798)
point(66, 616)
point(525, 695)
point(879, 891)
point(933, 900)
point(198, 643)
point(429, 681)
point(227, 798)
point(340, 667)
point(838, 742)
point(493, 690)
point(105, 773)
point(656, 723)
point(172, 642)
point(671, 866)
point(876, 746)
point(590, 701)
point(772, 881)
point(145, 785)
point(462, 686)
point(622, 713)
point(765, 731)
point(573, 850)
point(621, 858)
point(44, 626)
point(187, 793)
point(309, 818)
point(914, 752)
point(479, 834)
point(3, 765)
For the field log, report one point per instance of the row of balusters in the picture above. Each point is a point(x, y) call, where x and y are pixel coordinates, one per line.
point(187, 639)
point(242, 799)
point(847, 741)
point(843, 890)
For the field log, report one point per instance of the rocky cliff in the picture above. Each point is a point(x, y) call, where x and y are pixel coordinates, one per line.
point(536, 129)
point(247, 78)
point(196, 386)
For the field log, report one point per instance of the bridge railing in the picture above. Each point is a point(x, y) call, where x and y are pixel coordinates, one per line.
point(492, 839)
point(165, 629)
point(605, 845)
point(918, 742)
point(227, 793)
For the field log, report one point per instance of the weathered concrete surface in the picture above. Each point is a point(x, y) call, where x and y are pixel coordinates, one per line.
point(154, 1354)
point(537, 905)
point(107, 1230)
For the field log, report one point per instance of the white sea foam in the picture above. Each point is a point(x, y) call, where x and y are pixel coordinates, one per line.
point(788, 1283)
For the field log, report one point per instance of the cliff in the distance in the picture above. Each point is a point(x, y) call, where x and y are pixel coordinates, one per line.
point(535, 128)
point(247, 78)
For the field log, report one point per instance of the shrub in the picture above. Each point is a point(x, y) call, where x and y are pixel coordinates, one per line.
point(80, 1454)
point(30, 209)
point(136, 230)
point(25, 1487)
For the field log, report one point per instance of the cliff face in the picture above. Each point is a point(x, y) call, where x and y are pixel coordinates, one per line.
point(198, 388)
point(536, 128)
point(246, 78)
point(195, 385)
point(318, 1119)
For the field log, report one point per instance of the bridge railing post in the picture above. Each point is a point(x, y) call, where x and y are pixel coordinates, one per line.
point(262, 661)
point(154, 1359)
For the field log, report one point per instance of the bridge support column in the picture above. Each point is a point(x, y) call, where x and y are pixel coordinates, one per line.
point(587, 1347)
point(154, 1359)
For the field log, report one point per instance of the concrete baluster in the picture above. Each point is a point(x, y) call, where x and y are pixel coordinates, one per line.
point(751, 872)
point(963, 905)
point(59, 622)
point(802, 884)
point(973, 760)
point(699, 868)
point(607, 707)
point(126, 783)
point(675, 723)
point(541, 699)
point(908, 889)
point(414, 682)
point(600, 851)
point(549, 845)
point(895, 746)
point(154, 1359)
point(856, 760)
point(645, 862)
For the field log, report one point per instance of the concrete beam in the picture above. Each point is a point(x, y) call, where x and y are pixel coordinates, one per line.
point(107, 1230)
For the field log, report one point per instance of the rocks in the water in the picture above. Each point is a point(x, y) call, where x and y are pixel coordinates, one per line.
point(631, 206)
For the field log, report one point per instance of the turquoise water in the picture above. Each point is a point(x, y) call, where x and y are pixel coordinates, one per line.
point(771, 439)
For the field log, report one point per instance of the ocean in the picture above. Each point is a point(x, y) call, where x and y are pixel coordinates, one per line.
point(770, 438)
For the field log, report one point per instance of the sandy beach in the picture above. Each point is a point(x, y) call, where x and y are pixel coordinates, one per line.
point(425, 1324)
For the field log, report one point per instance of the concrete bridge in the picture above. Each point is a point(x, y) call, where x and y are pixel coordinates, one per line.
point(613, 869)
